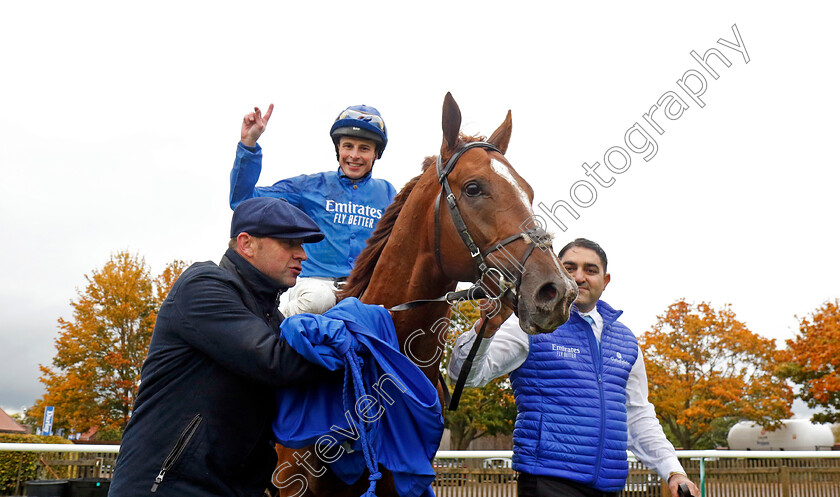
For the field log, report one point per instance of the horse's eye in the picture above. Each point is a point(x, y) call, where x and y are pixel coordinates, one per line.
point(472, 189)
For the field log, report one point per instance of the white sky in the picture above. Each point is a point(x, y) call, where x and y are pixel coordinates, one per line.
point(118, 126)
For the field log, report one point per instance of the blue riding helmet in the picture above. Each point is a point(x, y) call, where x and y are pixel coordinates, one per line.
point(362, 121)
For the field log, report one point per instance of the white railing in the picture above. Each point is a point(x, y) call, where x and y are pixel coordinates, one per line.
point(682, 454)
point(476, 454)
point(701, 455)
point(16, 447)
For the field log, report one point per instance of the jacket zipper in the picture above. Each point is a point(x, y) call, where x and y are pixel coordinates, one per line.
point(597, 359)
point(176, 451)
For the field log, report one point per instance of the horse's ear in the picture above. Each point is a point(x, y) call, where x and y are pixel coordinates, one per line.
point(451, 125)
point(501, 137)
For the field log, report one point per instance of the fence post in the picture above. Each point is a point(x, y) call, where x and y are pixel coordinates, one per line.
point(784, 478)
point(17, 478)
point(702, 476)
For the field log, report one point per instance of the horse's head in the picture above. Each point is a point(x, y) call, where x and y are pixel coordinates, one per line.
point(485, 221)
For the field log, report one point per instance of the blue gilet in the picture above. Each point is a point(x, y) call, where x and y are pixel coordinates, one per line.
point(346, 210)
point(570, 394)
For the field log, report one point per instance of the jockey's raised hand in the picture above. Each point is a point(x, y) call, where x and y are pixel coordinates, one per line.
point(253, 125)
point(495, 316)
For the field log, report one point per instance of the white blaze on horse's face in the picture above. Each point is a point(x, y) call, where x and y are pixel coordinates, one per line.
point(503, 171)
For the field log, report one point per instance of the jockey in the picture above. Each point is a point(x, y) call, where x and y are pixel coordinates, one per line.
point(346, 203)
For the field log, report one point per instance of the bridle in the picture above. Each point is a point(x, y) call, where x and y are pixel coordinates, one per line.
point(532, 237)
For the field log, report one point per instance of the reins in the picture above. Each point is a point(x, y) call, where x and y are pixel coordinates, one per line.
point(531, 238)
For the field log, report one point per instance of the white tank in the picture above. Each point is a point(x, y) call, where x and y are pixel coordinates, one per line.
point(794, 434)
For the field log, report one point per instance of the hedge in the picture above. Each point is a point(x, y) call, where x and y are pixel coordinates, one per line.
point(26, 463)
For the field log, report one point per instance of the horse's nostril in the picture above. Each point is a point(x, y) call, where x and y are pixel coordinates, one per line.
point(547, 293)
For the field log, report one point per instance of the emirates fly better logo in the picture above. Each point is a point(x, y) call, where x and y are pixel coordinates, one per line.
point(565, 352)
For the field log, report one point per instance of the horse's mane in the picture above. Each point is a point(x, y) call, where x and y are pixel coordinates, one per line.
point(362, 271)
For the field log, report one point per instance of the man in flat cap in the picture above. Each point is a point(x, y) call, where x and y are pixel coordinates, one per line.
point(201, 423)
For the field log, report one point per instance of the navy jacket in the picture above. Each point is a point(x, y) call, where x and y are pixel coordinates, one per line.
point(201, 423)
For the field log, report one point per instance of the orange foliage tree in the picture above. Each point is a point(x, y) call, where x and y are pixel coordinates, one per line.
point(489, 410)
point(99, 353)
point(706, 371)
point(814, 361)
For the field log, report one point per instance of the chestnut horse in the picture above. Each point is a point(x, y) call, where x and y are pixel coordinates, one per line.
point(416, 252)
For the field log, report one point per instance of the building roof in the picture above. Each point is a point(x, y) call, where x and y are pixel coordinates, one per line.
point(7, 424)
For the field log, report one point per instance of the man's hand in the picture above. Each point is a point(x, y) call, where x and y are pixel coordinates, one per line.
point(499, 313)
point(253, 125)
point(674, 483)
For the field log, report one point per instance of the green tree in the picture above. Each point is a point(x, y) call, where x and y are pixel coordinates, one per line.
point(706, 370)
point(489, 410)
point(813, 361)
point(99, 353)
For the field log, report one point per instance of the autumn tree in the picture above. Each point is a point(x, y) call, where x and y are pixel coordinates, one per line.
point(813, 361)
point(489, 410)
point(99, 353)
point(706, 371)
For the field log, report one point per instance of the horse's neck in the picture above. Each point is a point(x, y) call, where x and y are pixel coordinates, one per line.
point(407, 270)
point(420, 331)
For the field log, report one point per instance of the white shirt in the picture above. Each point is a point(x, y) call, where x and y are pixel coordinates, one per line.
point(508, 348)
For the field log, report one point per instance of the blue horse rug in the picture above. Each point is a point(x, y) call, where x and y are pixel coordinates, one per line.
point(385, 412)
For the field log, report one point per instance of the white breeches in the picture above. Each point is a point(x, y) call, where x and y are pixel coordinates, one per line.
point(310, 295)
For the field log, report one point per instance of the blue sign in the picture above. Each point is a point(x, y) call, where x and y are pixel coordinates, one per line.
point(46, 428)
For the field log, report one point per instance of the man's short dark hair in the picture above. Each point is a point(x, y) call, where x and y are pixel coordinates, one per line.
point(585, 243)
